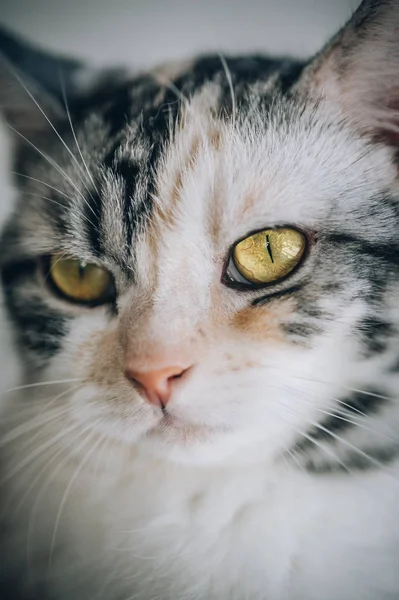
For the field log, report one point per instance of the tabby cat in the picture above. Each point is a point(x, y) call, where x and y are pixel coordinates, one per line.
point(200, 272)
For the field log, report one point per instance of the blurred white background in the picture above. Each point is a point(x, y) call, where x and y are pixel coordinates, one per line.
point(146, 31)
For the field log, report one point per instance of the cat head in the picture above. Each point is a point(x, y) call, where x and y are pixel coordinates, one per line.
point(210, 249)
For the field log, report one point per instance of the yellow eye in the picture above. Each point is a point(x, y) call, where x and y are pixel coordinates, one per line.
point(269, 255)
point(81, 282)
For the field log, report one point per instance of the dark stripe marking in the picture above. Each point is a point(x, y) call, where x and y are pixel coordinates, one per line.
point(92, 210)
point(276, 295)
point(39, 328)
point(356, 461)
point(388, 252)
point(375, 334)
point(303, 330)
point(367, 402)
point(129, 172)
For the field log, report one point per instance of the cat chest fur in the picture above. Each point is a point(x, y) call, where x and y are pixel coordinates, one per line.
point(230, 533)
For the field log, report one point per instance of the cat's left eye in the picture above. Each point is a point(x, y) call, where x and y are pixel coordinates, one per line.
point(265, 257)
point(81, 282)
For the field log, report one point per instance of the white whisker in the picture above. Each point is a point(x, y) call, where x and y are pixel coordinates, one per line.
point(368, 393)
point(362, 453)
point(338, 438)
point(345, 387)
point(341, 415)
point(48, 480)
point(70, 484)
point(230, 82)
point(311, 439)
point(292, 454)
point(35, 454)
point(36, 422)
point(54, 165)
point(350, 408)
point(55, 263)
point(41, 383)
point(85, 217)
point(44, 469)
point(171, 86)
point(22, 84)
point(62, 84)
point(51, 187)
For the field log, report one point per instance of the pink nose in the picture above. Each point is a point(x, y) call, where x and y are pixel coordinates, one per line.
point(158, 384)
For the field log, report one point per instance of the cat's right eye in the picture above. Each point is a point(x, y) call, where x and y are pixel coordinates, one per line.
point(84, 283)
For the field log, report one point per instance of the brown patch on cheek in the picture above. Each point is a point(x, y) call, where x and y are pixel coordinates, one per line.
point(236, 367)
point(102, 359)
point(215, 139)
point(264, 322)
point(249, 203)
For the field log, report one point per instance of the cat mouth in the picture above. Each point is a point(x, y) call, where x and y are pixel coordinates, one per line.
point(169, 420)
point(173, 428)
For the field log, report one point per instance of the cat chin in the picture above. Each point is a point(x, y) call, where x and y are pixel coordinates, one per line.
point(202, 445)
point(167, 438)
point(218, 449)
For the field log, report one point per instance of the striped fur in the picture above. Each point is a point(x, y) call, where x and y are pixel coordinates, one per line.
point(274, 473)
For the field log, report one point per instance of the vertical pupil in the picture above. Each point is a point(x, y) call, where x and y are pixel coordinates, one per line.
point(268, 248)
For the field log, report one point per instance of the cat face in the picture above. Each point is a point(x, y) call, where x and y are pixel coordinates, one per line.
point(147, 188)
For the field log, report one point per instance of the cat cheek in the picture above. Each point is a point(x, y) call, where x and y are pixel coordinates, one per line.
point(265, 323)
point(125, 418)
point(99, 358)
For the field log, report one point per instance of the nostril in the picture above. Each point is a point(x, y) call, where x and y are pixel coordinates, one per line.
point(178, 376)
point(181, 373)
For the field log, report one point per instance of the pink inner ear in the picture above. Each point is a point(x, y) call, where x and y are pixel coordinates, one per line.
point(391, 133)
point(373, 113)
point(389, 136)
point(358, 71)
point(386, 121)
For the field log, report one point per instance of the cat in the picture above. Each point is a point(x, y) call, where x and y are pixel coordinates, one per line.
point(200, 269)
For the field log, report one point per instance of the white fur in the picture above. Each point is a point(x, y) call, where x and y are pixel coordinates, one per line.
point(111, 512)
point(255, 531)
point(105, 499)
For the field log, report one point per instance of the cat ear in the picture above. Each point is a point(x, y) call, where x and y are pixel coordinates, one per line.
point(359, 70)
point(32, 85)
